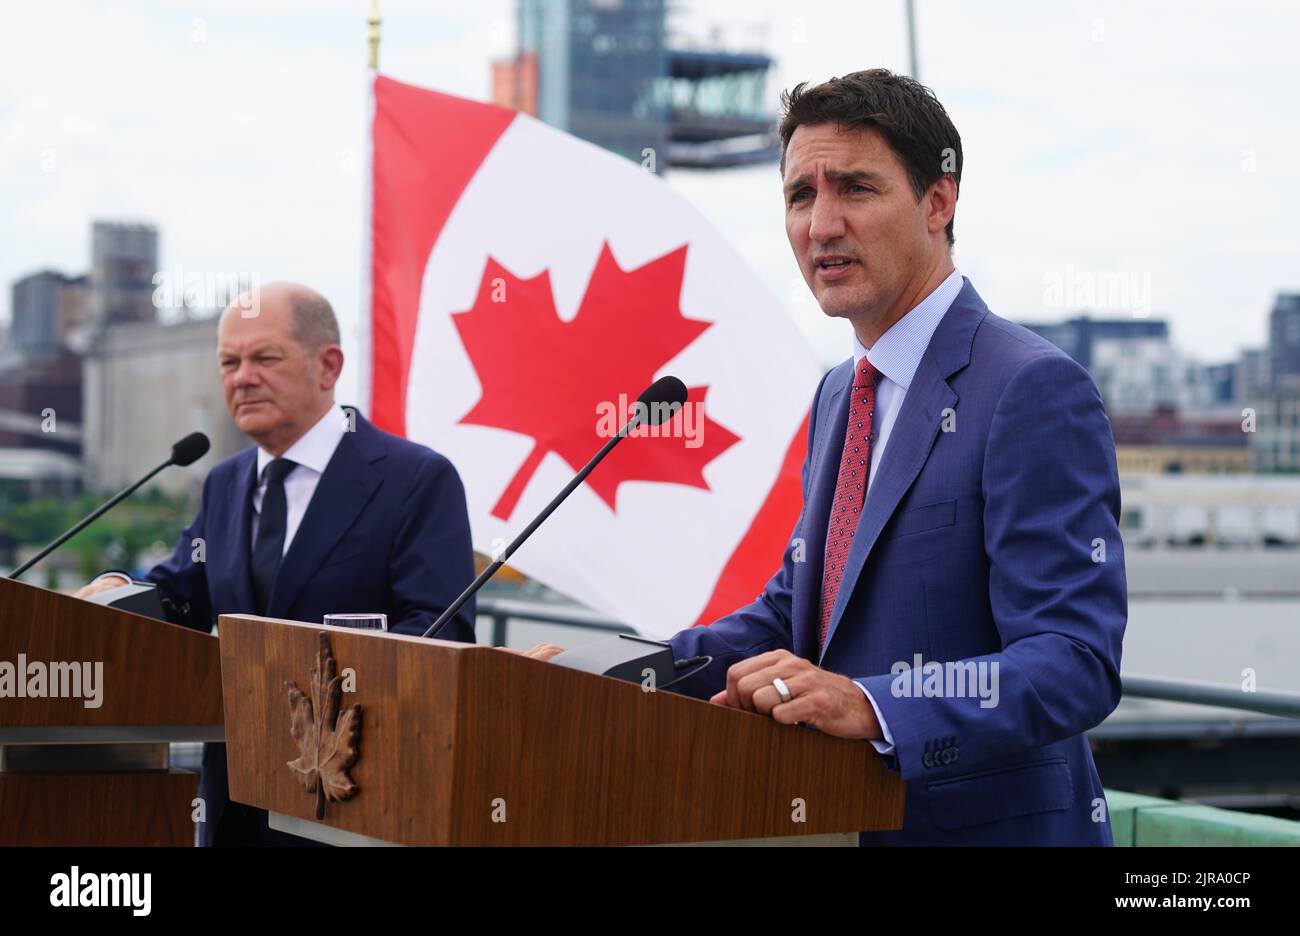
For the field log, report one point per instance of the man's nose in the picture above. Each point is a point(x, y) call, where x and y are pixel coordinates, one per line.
point(245, 375)
point(827, 221)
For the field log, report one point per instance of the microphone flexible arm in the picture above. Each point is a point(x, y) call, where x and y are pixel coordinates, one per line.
point(86, 521)
point(506, 553)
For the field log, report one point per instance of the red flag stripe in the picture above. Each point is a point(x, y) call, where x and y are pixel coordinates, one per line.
point(759, 551)
point(426, 147)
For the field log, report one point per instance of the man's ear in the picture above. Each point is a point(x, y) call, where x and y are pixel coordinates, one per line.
point(941, 203)
point(330, 359)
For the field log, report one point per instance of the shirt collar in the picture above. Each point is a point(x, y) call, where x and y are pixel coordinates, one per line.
point(315, 447)
point(897, 353)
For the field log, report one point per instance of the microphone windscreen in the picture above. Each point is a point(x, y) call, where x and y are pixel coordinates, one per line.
point(661, 400)
point(190, 449)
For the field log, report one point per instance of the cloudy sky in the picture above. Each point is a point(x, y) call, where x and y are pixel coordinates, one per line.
point(1154, 140)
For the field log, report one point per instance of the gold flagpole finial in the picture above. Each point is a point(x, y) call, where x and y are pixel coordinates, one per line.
point(372, 34)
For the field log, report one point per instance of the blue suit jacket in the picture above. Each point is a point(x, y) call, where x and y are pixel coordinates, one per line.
point(387, 530)
point(979, 541)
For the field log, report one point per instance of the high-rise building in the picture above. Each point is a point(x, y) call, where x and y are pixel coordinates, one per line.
point(514, 83)
point(90, 370)
point(598, 64)
point(1138, 375)
point(606, 71)
point(40, 379)
point(40, 403)
point(1219, 385)
point(1275, 444)
point(124, 258)
point(1284, 336)
point(49, 308)
point(1255, 373)
point(1273, 376)
point(34, 321)
point(1078, 336)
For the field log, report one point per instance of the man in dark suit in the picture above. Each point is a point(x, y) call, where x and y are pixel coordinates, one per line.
point(326, 514)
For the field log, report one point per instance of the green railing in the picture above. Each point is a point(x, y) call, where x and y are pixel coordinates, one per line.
point(1137, 820)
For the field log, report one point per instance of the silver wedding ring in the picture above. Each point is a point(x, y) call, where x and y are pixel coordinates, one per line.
point(782, 689)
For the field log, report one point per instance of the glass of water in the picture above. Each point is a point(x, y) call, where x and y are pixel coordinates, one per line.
point(377, 622)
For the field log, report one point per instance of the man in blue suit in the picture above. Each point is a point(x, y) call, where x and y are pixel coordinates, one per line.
point(326, 514)
point(954, 591)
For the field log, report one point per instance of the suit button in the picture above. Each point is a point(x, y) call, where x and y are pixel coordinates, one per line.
point(954, 755)
point(928, 759)
point(948, 755)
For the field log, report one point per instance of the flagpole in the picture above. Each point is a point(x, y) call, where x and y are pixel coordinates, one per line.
point(365, 366)
point(372, 34)
point(911, 40)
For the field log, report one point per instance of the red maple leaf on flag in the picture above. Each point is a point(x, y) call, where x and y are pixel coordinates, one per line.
point(551, 380)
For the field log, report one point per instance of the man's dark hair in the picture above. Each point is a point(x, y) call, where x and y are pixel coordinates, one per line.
point(906, 113)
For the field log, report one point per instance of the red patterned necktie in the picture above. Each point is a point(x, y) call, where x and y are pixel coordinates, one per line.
point(850, 488)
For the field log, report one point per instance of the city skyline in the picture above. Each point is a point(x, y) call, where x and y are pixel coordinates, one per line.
point(1172, 176)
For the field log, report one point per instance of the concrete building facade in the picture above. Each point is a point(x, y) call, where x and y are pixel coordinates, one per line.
point(145, 386)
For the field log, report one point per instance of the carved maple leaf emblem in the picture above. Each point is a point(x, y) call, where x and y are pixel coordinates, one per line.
point(326, 739)
point(546, 378)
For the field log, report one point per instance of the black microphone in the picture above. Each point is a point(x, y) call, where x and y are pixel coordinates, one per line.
point(188, 450)
point(185, 452)
point(658, 403)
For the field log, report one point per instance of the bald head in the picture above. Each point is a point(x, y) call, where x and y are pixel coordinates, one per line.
point(313, 324)
point(278, 347)
point(308, 315)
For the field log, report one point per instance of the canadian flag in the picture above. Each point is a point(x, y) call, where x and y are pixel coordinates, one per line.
point(523, 287)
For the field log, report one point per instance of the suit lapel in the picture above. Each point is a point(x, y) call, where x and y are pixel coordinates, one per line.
point(346, 487)
point(235, 549)
point(913, 435)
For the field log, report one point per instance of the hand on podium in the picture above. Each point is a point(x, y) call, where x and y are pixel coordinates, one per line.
point(542, 651)
point(828, 701)
point(103, 583)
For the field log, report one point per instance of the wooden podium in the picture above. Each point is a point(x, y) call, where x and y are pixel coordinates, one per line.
point(455, 744)
point(83, 769)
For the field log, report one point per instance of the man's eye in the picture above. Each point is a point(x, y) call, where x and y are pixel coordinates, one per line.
point(798, 196)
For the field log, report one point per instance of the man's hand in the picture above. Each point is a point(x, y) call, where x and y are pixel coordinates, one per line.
point(541, 651)
point(104, 584)
point(830, 702)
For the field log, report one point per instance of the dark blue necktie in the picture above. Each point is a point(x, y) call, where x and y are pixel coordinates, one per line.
point(270, 532)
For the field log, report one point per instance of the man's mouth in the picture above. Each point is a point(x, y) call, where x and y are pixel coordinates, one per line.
point(832, 266)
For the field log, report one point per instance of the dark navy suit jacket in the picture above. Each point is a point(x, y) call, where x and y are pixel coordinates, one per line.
point(992, 539)
point(387, 530)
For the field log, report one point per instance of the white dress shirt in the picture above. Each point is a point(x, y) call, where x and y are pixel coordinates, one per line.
point(310, 454)
point(897, 354)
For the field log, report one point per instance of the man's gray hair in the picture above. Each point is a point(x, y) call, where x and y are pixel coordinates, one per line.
point(314, 325)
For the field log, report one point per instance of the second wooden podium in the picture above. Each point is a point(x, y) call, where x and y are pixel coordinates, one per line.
point(82, 771)
point(425, 742)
